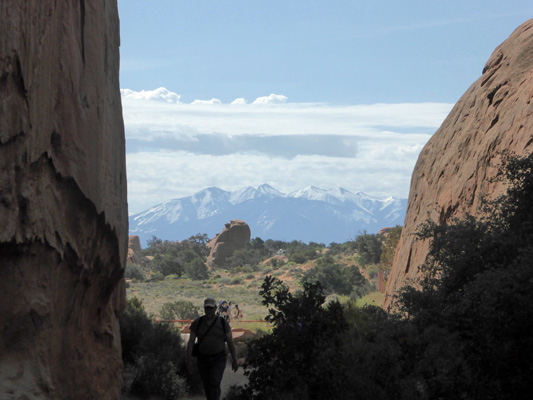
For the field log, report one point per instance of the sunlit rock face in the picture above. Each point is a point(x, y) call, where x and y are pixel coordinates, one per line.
point(453, 171)
point(233, 237)
point(63, 208)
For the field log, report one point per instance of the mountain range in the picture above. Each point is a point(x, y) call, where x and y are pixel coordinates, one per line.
point(310, 214)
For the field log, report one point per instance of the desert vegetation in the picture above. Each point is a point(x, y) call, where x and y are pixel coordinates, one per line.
point(464, 332)
point(167, 288)
point(171, 276)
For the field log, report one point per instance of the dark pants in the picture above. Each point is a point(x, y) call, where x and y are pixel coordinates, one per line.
point(211, 371)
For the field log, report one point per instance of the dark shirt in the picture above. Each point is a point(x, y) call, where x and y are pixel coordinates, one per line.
point(214, 342)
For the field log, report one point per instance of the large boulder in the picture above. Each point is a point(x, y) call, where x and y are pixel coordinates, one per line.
point(233, 237)
point(454, 169)
point(63, 207)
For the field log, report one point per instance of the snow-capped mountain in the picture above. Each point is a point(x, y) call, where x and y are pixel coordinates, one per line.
point(309, 214)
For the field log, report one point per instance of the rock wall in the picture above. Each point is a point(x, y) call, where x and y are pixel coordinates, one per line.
point(63, 207)
point(233, 237)
point(453, 170)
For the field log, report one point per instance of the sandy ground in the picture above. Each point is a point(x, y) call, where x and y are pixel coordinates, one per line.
point(230, 378)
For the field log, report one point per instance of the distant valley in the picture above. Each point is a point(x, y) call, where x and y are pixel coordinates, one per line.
point(310, 214)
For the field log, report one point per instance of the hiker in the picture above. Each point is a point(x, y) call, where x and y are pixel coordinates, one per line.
point(238, 312)
point(212, 332)
point(223, 310)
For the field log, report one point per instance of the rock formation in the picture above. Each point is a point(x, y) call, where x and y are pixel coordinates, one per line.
point(63, 207)
point(135, 255)
point(233, 237)
point(385, 231)
point(453, 170)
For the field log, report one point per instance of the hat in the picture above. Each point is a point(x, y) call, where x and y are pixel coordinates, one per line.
point(209, 302)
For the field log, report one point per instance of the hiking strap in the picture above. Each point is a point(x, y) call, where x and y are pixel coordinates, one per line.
point(206, 332)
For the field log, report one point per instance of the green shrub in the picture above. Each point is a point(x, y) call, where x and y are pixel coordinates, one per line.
point(246, 257)
point(134, 272)
point(224, 281)
point(464, 331)
point(167, 264)
point(196, 269)
point(291, 264)
point(389, 248)
point(236, 281)
point(368, 247)
point(303, 256)
point(181, 309)
point(373, 271)
point(336, 278)
point(298, 360)
point(154, 352)
point(156, 276)
point(154, 376)
point(134, 325)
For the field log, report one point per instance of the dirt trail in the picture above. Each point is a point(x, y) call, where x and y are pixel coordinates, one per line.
point(230, 378)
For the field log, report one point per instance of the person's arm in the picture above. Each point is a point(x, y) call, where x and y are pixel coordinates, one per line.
point(231, 347)
point(190, 345)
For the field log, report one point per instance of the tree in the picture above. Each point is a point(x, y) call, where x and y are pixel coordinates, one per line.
point(167, 264)
point(181, 309)
point(244, 257)
point(298, 360)
point(153, 352)
point(256, 244)
point(134, 272)
point(477, 294)
point(368, 246)
point(337, 278)
point(464, 332)
point(184, 251)
point(199, 239)
point(389, 248)
point(197, 269)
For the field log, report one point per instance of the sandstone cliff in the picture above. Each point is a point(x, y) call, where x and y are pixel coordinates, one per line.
point(453, 170)
point(63, 209)
point(233, 237)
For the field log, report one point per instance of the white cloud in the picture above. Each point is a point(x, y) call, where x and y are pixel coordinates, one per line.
point(150, 118)
point(212, 101)
point(160, 94)
point(271, 99)
point(239, 101)
point(176, 149)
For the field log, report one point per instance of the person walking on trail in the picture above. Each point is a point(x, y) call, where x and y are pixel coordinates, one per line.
point(213, 332)
point(238, 313)
point(223, 310)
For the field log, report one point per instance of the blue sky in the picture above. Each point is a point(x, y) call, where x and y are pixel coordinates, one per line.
point(325, 93)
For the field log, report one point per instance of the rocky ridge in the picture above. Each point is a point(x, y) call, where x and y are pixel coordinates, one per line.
point(310, 214)
point(453, 171)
